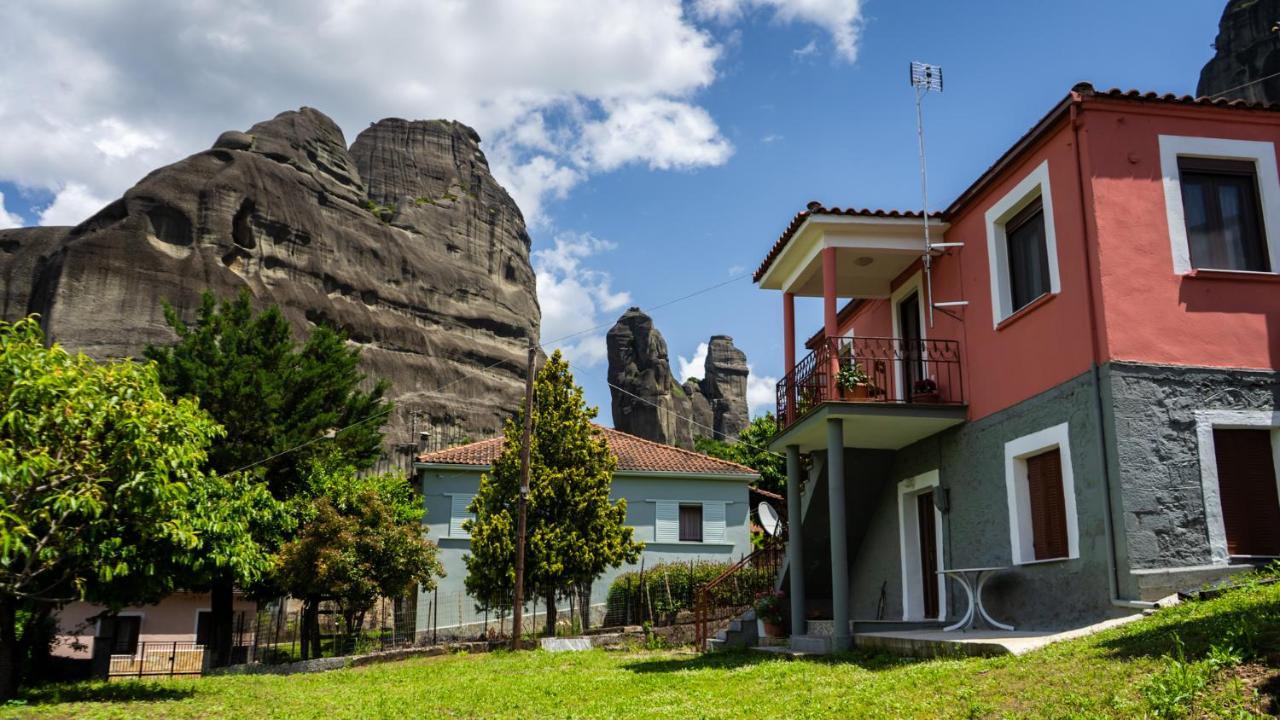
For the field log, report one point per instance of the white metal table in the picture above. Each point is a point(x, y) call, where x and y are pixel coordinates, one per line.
point(973, 580)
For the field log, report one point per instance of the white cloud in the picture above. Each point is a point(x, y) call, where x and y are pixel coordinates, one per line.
point(576, 300)
point(8, 219)
point(762, 394)
point(807, 50)
point(73, 204)
point(559, 90)
point(842, 19)
point(694, 368)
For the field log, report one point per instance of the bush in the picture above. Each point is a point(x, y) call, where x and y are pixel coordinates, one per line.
point(662, 592)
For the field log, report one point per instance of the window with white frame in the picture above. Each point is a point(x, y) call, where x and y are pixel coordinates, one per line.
point(1040, 486)
point(458, 514)
point(1222, 202)
point(678, 521)
point(1022, 247)
point(1239, 467)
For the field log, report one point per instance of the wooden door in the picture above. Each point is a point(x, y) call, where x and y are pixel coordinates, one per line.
point(1247, 488)
point(927, 522)
point(912, 343)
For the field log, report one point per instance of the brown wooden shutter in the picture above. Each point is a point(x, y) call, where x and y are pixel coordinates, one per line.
point(1048, 505)
point(1247, 488)
point(927, 522)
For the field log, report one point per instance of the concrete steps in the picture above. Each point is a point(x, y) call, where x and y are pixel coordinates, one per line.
point(741, 632)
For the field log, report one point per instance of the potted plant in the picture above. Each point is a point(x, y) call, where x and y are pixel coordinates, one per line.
point(925, 390)
point(769, 611)
point(852, 381)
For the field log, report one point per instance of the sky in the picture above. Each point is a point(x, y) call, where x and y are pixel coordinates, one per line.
point(656, 148)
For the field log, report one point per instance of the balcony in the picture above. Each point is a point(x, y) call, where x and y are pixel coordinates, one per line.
point(890, 392)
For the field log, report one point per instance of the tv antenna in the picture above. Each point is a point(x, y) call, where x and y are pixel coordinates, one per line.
point(926, 78)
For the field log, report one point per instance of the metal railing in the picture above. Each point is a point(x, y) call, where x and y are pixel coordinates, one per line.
point(158, 659)
point(730, 593)
point(897, 371)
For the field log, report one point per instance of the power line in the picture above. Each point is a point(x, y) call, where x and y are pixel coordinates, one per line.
point(692, 421)
point(466, 372)
point(1215, 96)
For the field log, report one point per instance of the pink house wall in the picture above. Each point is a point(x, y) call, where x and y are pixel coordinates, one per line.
point(171, 620)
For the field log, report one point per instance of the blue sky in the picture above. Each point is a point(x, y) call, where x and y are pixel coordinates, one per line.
point(660, 165)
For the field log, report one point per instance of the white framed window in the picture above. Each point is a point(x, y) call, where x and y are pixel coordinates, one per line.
point(1210, 424)
point(458, 514)
point(1040, 488)
point(1022, 246)
point(918, 565)
point(1216, 225)
point(683, 521)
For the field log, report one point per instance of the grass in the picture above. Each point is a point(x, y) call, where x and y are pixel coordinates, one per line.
point(1217, 658)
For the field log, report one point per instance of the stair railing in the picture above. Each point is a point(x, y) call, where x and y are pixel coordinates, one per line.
point(724, 596)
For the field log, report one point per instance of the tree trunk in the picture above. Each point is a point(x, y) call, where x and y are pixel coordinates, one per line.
point(310, 629)
point(221, 615)
point(551, 613)
point(584, 604)
point(8, 649)
point(33, 651)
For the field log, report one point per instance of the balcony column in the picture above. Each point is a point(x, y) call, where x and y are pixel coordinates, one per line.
point(789, 353)
point(840, 637)
point(830, 327)
point(795, 541)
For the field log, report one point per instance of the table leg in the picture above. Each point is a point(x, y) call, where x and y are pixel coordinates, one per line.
point(968, 613)
point(982, 610)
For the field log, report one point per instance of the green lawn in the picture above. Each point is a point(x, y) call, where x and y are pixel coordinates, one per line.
point(1231, 668)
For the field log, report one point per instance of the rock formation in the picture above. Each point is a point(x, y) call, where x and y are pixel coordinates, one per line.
point(1246, 51)
point(405, 242)
point(653, 405)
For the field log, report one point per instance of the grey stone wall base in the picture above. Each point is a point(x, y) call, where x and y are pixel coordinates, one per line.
point(337, 663)
point(1157, 584)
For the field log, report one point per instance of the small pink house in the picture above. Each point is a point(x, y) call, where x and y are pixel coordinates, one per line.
point(181, 617)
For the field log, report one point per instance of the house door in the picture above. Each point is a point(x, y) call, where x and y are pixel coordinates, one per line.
point(912, 347)
point(1247, 488)
point(927, 523)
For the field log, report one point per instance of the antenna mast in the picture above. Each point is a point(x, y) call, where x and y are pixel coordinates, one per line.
point(925, 77)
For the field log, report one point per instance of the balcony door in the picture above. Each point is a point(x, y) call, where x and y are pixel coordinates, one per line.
point(912, 351)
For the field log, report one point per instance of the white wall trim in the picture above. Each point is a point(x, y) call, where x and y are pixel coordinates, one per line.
point(1206, 422)
point(1015, 475)
point(1263, 156)
point(910, 285)
point(909, 547)
point(1034, 185)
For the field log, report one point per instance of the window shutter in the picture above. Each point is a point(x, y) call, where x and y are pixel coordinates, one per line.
point(1247, 490)
point(666, 525)
point(458, 514)
point(1048, 505)
point(713, 522)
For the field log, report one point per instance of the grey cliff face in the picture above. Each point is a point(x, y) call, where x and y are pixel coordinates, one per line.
point(433, 283)
point(653, 405)
point(1246, 51)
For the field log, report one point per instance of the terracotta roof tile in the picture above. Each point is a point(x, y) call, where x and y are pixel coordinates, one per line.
point(635, 454)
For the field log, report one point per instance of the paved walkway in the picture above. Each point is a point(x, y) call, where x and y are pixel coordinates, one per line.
point(932, 643)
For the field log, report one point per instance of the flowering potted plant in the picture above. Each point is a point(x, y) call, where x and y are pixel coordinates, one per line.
point(769, 609)
point(852, 381)
point(925, 390)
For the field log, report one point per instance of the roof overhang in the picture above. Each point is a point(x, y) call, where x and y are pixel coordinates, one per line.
point(871, 252)
point(872, 426)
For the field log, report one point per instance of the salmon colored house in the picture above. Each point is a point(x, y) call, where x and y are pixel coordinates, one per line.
point(1079, 393)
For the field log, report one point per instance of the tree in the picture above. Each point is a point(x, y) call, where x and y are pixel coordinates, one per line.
point(103, 480)
point(574, 532)
point(272, 397)
point(751, 449)
point(362, 538)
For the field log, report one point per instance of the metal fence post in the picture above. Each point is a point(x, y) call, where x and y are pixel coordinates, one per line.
point(142, 657)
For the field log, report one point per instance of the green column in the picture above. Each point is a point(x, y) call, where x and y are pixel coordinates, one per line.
point(840, 638)
point(795, 540)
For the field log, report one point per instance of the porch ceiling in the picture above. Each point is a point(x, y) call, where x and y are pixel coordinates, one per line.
point(870, 253)
point(872, 426)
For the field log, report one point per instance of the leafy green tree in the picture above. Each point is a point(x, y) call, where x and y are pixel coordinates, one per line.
point(751, 449)
point(272, 396)
point(361, 538)
point(574, 532)
point(105, 494)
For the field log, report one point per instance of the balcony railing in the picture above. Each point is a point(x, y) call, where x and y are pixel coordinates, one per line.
point(879, 370)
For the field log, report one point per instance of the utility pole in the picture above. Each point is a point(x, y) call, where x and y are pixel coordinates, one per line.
point(517, 612)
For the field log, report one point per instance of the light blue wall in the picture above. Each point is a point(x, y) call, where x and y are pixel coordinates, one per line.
point(456, 608)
